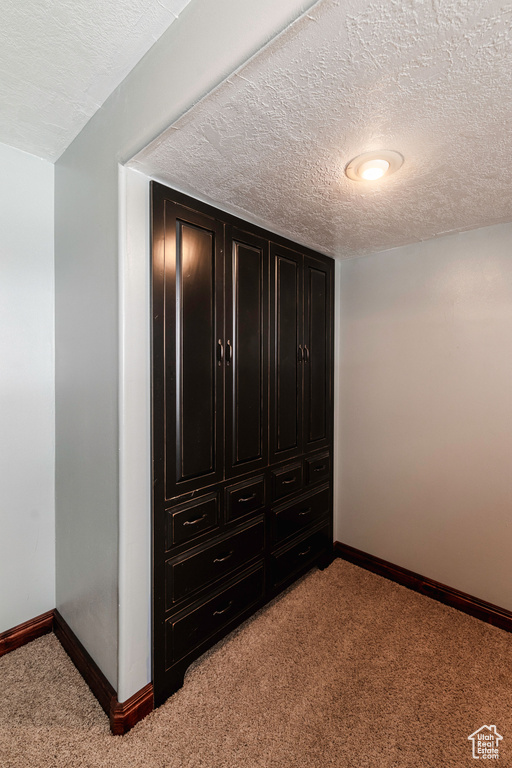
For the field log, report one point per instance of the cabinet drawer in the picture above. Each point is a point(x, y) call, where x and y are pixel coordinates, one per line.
point(186, 633)
point(245, 497)
point(286, 480)
point(186, 521)
point(298, 557)
point(317, 468)
point(294, 516)
point(198, 569)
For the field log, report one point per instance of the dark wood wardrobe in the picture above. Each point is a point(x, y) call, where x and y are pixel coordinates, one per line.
point(242, 351)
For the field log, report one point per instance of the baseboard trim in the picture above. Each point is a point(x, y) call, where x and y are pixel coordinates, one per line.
point(122, 716)
point(87, 667)
point(480, 609)
point(24, 633)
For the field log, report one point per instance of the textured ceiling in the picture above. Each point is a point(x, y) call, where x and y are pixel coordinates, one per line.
point(429, 78)
point(60, 60)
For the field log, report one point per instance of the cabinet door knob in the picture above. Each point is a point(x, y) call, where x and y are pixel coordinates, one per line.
point(306, 353)
point(229, 352)
point(300, 354)
point(220, 352)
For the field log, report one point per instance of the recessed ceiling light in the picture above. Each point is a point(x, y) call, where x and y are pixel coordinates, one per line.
point(371, 166)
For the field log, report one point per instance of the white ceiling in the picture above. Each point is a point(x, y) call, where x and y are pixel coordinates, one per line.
point(61, 59)
point(429, 78)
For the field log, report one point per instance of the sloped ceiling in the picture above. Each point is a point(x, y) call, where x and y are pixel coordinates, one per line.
point(61, 59)
point(429, 78)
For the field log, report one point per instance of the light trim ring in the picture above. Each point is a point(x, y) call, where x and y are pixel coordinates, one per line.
point(375, 165)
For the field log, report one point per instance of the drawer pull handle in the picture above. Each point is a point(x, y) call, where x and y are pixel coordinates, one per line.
point(305, 512)
point(248, 498)
point(196, 521)
point(224, 557)
point(290, 480)
point(223, 610)
point(319, 468)
point(306, 552)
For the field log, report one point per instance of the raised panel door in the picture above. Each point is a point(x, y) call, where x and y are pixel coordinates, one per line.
point(317, 414)
point(193, 349)
point(246, 368)
point(286, 354)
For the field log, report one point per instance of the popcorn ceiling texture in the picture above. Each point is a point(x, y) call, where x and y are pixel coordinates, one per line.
point(429, 78)
point(59, 61)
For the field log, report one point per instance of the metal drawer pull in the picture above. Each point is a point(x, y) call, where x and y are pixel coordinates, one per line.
point(306, 512)
point(248, 498)
point(290, 480)
point(320, 468)
point(224, 557)
point(306, 350)
point(229, 352)
point(306, 552)
point(220, 352)
point(196, 521)
point(223, 610)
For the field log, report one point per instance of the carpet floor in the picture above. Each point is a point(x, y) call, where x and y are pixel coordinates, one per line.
point(344, 669)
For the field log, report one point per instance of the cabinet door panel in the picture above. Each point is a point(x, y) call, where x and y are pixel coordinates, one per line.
point(247, 352)
point(286, 373)
point(317, 361)
point(193, 327)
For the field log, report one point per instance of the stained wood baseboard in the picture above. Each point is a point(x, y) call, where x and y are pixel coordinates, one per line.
point(122, 715)
point(480, 609)
point(24, 633)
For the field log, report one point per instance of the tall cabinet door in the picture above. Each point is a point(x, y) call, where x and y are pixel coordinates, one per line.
point(286, 353)
point(317, 353)
point(246, 320)
point(189, 357)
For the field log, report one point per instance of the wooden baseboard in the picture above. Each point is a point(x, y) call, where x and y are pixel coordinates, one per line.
point(127, 714)
point(24, 633)
point(87, 667)
point(122, 716)
point(480, 609)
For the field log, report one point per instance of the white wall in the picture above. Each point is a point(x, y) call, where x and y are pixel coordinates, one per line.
point(27, 446)
point(426, 409)
point(98, 592)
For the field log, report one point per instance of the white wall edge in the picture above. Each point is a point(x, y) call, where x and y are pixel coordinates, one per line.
point(337, 436)
point(134, 661)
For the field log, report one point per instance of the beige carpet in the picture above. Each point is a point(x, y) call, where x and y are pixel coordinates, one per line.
point(345, 669)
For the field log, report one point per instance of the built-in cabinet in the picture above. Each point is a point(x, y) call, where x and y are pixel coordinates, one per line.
point(242, 423)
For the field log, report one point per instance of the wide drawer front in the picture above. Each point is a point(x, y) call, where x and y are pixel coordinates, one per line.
point(243, 498)
point(189, 631)
point(197, 570)
point(299, 556)
point(291, 518)
point(191, 519)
